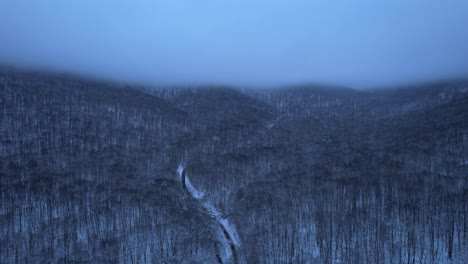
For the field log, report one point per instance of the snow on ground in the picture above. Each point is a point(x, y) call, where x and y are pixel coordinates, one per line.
point(213, 212)
point(193, 191)
point(231, 230)
point(223, 221)
point(180, 169)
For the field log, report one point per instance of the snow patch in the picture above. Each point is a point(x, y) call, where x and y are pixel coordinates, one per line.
point(224, 222)
point(212, 211)
point(193, 191)
point(231, 230)
point(180, 169)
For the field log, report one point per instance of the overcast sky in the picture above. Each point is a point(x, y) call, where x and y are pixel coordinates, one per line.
point(240, 42)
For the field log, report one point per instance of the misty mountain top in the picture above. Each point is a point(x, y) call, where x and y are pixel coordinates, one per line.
point(358, 43)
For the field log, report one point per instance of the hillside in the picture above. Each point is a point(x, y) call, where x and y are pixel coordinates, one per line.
point(304, 174)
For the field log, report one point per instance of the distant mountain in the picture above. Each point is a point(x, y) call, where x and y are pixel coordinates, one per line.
point(221, 104)
point(423, 96)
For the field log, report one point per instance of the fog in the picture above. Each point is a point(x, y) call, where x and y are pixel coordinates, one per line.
point(359, 43)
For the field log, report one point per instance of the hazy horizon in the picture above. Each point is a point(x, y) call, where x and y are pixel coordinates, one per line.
point(359, 43)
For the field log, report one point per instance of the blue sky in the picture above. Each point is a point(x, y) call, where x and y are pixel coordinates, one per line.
point(360, 43)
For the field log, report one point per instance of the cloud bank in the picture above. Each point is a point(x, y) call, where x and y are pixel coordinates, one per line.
point(359, 43)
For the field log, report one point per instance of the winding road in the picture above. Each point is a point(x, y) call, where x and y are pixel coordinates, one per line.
point(228, 230)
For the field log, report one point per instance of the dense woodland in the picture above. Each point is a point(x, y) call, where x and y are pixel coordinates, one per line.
point(305, 174)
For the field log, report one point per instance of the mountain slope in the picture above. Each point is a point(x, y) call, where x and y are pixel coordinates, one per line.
point(87, 172)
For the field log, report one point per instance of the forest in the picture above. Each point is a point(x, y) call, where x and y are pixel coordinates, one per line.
point(99, 172)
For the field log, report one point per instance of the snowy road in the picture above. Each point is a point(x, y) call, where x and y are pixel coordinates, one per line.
point(228, 230)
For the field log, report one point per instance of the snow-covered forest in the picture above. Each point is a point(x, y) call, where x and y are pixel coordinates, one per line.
point(93, 172)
